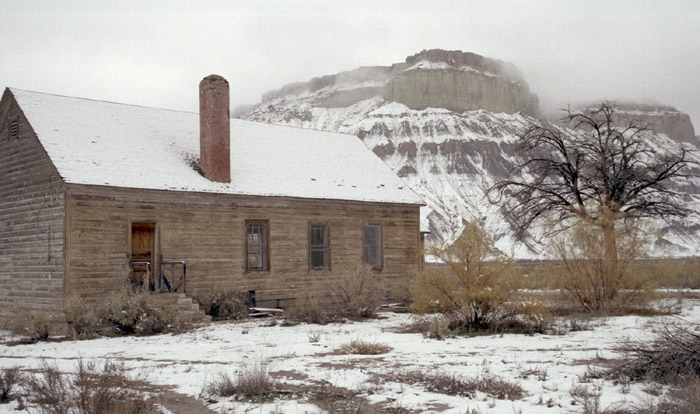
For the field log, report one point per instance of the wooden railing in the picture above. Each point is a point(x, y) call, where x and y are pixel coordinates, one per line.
point(169, 282)
point(137, 285)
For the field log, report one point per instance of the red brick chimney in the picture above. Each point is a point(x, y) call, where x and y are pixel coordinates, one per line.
point(214, 129)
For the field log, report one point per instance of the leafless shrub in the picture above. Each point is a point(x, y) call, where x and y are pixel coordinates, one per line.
point(356, 292)
point(539, 372)
point(310, 307)
point(93, 389)
point(51, 390)
point(314, 337)
point(252, 381)
point(435, 327)
point(464, 386)
point(35, 324)
point(401, 293)
point(84, 318)
point(672, 357)
point(362, 347)
point(596, 279)
point(224, 303)
point(588, 398)
point(130, 313)
point(682, 400)
point(438, 329)
point(9, 379)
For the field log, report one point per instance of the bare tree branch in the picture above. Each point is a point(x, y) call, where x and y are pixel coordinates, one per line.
point(593, 168)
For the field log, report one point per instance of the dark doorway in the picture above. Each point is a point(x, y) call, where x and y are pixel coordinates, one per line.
point(143, 256)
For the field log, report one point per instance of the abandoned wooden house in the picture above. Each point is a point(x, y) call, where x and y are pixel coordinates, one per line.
point(94, 195)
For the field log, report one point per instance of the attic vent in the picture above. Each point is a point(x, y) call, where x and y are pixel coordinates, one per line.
point(14, 129)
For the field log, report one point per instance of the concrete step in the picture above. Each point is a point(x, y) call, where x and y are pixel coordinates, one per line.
point(180, 305)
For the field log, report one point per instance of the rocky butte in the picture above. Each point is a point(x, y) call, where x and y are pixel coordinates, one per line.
point(455, 80)
point(448, 122)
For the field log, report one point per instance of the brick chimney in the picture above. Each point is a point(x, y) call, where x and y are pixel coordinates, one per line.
point(214, 129)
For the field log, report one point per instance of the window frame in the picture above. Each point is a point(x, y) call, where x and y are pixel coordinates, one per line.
point(327, 246)
point(266, 246)
point(379, 247)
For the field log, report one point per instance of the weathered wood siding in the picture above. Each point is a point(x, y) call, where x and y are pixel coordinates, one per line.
point(32, 210)
point(208, 232)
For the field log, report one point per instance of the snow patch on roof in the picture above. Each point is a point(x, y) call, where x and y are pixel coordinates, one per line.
point(103, 143)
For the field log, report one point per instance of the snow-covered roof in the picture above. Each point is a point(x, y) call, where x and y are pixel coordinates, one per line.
point(104, 143)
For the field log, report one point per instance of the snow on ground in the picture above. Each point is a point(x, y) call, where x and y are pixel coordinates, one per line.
point(546, 366)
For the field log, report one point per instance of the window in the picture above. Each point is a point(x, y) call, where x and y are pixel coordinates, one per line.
point(373, 245)
point(256, 245)
point(318, 246)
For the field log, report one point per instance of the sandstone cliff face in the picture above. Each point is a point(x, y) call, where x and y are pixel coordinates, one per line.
point(460, 90)
point(676, 125)
point(660, 118)
point(458, 58)
point(459, 81)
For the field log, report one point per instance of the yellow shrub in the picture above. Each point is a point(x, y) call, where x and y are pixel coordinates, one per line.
point(475, 288)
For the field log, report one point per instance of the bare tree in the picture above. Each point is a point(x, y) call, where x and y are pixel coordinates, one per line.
point(595, 171)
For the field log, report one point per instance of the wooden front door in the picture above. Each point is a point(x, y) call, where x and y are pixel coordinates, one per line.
point(143, 256)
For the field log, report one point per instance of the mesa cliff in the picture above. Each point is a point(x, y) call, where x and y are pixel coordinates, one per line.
point(455, 80)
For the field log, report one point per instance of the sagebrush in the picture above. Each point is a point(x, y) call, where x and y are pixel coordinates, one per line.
point(10, 378)
point(84, 318)
point(35, 324)
point(93, 388)
point(224, 303)
point(355, 293)
point(672, 357)
point(131, 312)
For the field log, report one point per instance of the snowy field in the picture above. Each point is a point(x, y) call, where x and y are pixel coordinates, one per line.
point(304, 359)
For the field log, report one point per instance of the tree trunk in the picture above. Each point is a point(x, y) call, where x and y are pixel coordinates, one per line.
point(609, 278)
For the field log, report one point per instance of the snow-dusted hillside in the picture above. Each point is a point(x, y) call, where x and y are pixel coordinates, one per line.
point(449, 158)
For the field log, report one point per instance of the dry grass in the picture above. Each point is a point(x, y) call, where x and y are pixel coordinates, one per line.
point(674, 273)
point(362, 347)
point(250, 381)
point(338, 400)
point(93, 389)
point(464, 386)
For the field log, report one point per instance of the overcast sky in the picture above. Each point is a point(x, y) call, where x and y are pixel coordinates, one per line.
point(155, 53)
